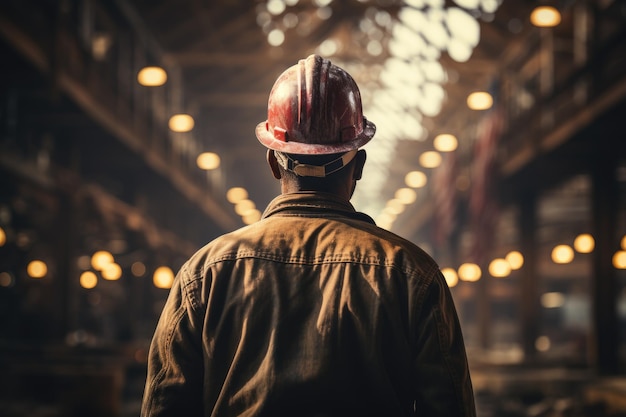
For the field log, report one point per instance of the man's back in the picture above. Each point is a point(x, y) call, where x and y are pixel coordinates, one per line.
point(313, 311)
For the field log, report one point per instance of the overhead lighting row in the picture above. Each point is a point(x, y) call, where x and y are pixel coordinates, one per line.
point(103, 264)
point(502, 267)
point(415, 39)
point(153, 76)
point(100, 265)
point(244, 207)
point(444, 142)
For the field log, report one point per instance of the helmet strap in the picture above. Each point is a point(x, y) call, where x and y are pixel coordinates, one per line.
point(305, 170)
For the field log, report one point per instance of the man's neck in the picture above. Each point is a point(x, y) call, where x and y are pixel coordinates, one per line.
point(344, 193)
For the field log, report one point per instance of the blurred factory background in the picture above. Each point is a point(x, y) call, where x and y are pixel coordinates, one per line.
point(127, 142)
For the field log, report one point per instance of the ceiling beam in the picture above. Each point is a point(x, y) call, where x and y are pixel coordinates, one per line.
point(235, 99)
point(219, 59)
point(127, 134)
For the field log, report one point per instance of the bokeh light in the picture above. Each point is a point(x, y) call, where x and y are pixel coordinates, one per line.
point(100, 259)
point(152, 76)
point(37, 269)
point(88, 280)
point(163, 277)
point(584, 243)
point(451, 276)
point(469, 272)
point(181, 123)
point(562, 254)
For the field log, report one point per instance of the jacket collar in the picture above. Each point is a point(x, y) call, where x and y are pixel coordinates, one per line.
point(313, 204)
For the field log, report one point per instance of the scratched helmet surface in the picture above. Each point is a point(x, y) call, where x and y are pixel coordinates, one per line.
point(314, 108)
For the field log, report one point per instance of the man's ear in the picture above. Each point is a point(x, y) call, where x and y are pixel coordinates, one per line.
point(273, 163)
point(359, 162)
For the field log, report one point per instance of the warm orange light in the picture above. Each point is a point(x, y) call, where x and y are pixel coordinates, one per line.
point(545, 16)
point(100, 259)
point(181, 123)
point(252, 216)
point(469, 272)
point(88, 280)
point(562, 254)
point(245, 206)
point(152, 76)
point(479, 100)
point(208, 161)
point(415, 179)
point(386, 219)
point(499, 268)
point(236, 194)
point(515, 259)
point(112, 272)
point(619, 259)
point(394, 206)
point(37, 269)
point(3, 237)
point(406, 195)
point(445, 142)
point(163, 277)
point(451, 276)
point(430, 159)
point(584, 243)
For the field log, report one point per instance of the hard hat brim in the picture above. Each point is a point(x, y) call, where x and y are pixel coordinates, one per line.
point(268, 140)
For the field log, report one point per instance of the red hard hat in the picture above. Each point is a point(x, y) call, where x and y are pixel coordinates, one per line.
point(315, 108)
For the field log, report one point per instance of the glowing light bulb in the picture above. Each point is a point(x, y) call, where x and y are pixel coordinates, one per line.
point(406, 195)
point(37, 269)
point(562, 254)
point(584, 243)
point(545, 16)
point(499, 268)
point(479, 100)
point(619, 259)
point(469, 272)
point(445, 142)
point(152, 76)
point(88, 280)
point(430, 159)
point(112, 272)
point(515, 259)
point(181, 123)
point(236, 194)
point(163, 277)
point(451, 276)
point(100, 259)
point(208, 161)
point(415, 179)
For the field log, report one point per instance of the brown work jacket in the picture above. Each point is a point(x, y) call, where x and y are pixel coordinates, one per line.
point(312, 311)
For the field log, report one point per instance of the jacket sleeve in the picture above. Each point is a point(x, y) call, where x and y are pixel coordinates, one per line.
point(175, 364)
point(443, 380)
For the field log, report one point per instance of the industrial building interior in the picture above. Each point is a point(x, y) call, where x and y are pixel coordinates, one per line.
point(500, 149)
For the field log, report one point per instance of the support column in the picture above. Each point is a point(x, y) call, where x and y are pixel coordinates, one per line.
point(529, 285)
point(605, 330)
point(483, 308)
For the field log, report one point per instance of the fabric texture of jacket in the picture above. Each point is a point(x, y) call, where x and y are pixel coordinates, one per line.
point(312, 311)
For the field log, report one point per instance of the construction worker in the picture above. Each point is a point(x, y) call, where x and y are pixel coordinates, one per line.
point(313, 310)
